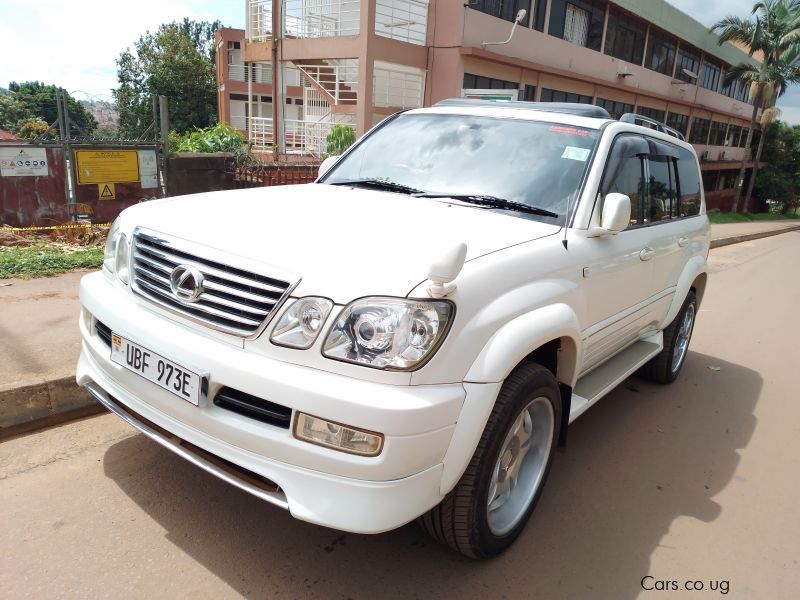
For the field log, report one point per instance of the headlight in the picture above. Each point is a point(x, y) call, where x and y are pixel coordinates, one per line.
point(301, 323)
point(110, 256)
point(388, 333)
point(121, 263)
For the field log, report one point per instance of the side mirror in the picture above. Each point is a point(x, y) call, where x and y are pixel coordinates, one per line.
point(616, 215)
point(326, 165)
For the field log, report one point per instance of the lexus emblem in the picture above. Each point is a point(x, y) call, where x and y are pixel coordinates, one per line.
point(186, 283)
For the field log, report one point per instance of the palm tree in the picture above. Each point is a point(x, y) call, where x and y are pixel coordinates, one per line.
point(773, 30)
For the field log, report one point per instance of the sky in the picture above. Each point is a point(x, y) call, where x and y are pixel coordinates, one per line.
point(74, 44)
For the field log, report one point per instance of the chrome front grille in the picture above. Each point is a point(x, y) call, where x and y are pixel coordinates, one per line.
point(231, 299)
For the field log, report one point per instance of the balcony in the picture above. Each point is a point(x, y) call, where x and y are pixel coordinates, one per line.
point(257, 73)
point(259, 20)
point(321, 18)
point(302, 137)
point(404, 20)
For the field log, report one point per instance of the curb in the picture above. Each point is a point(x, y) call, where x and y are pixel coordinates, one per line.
point(33, 407)
point(737, 239)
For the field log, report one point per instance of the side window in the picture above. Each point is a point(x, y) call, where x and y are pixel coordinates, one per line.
point(629, 180)
point(688, 177)
point(661, 188)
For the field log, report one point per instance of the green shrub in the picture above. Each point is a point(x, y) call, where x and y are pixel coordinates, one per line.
point(339, 139)
point(219, 138)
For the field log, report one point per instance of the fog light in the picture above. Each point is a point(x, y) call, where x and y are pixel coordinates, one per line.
point(339, 437)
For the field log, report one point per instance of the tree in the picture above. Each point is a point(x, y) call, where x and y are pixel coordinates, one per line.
point(780, 180)
point(12, 111)
point(773, 29)
point(40, 101)
point(177, 62)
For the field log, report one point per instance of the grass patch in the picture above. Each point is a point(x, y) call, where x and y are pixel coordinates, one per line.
point(717, 217)
point(39, 261)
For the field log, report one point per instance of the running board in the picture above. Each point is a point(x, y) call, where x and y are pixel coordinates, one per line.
point(599, 382)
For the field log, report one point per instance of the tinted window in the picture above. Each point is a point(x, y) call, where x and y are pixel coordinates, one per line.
point(661, 188)
point(660, 53)
point(478, 82)
point(743, 139)
point(688, 184)
point(629, 180)
point(503, 9)
point(709, 79)
point(688, 61)
point(651, 113)
point(625, 37)
point(578, 21)
point(559, 96)
point(718, 131)
point(678, 122)
point(699, 133)
point(614, 108)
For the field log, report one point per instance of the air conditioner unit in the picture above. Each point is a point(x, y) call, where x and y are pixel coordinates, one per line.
point(723, 155)
point(705, 155)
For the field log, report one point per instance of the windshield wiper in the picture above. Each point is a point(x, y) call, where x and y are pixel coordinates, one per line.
point(492, 202)
point(382, 184)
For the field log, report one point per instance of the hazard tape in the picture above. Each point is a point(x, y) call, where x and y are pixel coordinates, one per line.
point(84, 226)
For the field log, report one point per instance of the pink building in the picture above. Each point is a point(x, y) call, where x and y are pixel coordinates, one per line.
point(357, 61)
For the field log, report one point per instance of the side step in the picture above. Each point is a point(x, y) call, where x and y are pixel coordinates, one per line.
point(599, 382)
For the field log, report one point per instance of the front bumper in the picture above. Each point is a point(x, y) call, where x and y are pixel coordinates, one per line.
point(319, 485)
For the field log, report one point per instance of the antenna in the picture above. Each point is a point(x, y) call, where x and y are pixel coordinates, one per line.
point(566, 222)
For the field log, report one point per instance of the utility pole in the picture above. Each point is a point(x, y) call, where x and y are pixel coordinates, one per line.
point(278, 142)
point(65, 155)
point(164, 114)
point(68, 155)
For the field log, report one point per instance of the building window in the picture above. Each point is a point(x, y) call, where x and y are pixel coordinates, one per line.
point(678, 122)
point(529, 93)
point(625, 37)
point(700, 129)
point(689, 62)
point(651, 113)
point(478, 82)
point(718, 132)
point(742, 91)
point(734, 135)
point(503, 9)
point(578, 21)
point(614, 108)
point(743, 139)
point(710, 76)
point(541, 9)
point(559, 96)
point(660, 53)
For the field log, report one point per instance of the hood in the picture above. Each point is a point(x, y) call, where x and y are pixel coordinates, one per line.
point(343, 243)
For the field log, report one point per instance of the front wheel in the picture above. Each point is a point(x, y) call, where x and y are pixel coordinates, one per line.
point(491, 503)
point(665, 366)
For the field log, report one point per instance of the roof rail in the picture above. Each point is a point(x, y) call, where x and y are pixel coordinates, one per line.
point(571, 108)
point(652, 123)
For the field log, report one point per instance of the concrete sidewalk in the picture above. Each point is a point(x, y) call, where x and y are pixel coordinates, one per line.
point(39, 340)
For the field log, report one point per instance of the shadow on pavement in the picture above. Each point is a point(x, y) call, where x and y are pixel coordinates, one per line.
point(642, 457)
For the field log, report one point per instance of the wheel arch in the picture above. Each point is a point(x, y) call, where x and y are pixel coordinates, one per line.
point(694, 277)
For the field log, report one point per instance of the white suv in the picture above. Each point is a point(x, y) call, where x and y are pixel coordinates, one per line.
point(411, 335)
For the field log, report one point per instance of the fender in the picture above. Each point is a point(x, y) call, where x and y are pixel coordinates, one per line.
point(524, 334)
point(696, 267)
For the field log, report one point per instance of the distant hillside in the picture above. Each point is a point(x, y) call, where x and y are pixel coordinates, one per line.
point(104, 112)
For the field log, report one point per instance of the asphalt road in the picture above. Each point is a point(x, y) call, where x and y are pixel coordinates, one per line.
point(697, 481)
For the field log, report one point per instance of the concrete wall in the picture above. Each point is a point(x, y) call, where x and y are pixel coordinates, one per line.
point(193, 173)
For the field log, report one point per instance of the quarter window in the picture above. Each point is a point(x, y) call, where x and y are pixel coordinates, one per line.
point(661, 190)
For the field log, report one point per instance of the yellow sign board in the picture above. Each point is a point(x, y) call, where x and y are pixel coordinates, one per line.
point(107, 166)
point(106, 191)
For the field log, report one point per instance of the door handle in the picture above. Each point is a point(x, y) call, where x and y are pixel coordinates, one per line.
point(683, 241)
point(647, 253)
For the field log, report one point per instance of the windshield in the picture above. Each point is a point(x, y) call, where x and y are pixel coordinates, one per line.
point(535, 163)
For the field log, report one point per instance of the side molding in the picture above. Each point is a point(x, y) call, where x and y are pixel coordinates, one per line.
point(524, 334)
point(696, 267)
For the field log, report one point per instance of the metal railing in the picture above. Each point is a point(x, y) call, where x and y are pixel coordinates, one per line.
point(404, 20)
point(340, 81)
point(258, 72)
point(321, 18)
point(260, 132)
point(397, 88)
point(259, 20)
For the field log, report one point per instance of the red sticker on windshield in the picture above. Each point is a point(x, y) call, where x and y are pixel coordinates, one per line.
point(569, 130)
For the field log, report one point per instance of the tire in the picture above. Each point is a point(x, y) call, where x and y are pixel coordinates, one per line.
point(529, 399)
point(666, 365)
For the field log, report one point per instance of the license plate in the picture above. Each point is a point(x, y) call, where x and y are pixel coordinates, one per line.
point(163, 372)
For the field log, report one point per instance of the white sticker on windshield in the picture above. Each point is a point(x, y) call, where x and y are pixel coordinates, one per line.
point(575, 153)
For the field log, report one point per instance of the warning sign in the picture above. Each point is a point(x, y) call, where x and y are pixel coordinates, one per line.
point(23, 162)
point(106, 191)
point(107, 166)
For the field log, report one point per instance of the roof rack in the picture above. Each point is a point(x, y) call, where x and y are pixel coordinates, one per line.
point(652, 123)
point(571, 108)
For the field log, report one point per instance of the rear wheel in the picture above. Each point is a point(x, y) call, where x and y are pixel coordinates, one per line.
point(665, 366)
point(490, 505)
